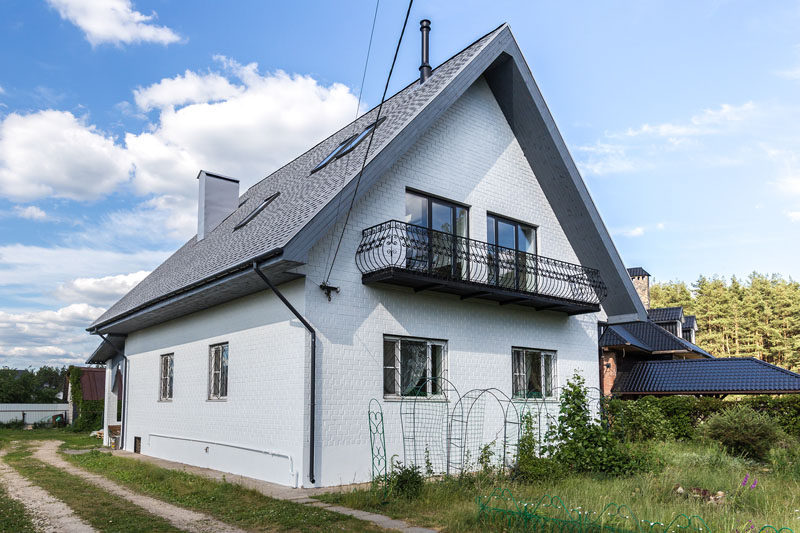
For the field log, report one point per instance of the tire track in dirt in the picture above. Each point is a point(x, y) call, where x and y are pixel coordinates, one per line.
point(49, 514)
point(179, 517)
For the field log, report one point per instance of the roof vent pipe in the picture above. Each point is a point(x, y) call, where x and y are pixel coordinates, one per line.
point(425, 67)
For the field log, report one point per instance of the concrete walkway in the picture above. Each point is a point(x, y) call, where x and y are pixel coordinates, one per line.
point(279, 492)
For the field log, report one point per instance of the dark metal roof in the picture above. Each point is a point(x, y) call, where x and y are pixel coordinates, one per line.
point(648, 336)
point(93, 383)
point(636, 272)
point(665, 314)
point(708, 376)
point(689, 322)
point(306, 207)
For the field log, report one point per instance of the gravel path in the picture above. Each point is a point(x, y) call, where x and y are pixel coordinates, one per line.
point(177, 516)
point(48, 513)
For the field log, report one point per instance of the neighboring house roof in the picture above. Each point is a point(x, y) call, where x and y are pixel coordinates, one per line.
point(708, 376)
point(665, 314)
point(280, 237)
point(93, 383)
point(689, 322)
point(636, 272)
point(649, 337)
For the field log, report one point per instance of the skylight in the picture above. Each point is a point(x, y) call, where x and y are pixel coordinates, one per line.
point(254, 213)
point(348, 145)
point(332, 155)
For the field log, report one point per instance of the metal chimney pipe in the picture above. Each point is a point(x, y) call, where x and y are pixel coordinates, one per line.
point(425, 67)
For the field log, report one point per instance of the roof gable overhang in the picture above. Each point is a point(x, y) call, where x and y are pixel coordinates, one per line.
point(503, 66)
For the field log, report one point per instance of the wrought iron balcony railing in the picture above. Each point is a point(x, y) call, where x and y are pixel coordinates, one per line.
point(408, 255)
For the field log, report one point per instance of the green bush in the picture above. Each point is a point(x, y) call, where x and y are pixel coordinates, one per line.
point(744, 431)
point(405, 481)
point(581, 444)
point(643, 420)
point(12, 424)
point(529, 466)
point(90, 417)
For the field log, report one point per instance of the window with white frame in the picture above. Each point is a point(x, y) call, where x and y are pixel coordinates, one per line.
point(533, 372)
point(165, 390)
point(408, 363)
point(218, 371)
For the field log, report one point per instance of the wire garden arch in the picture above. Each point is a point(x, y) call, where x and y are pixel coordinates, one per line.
point(452, 433)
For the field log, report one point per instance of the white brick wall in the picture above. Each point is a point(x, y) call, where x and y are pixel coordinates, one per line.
point(264, 409)
point(469, 156)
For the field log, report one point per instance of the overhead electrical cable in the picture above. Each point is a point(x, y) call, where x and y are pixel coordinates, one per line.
point(369, 145)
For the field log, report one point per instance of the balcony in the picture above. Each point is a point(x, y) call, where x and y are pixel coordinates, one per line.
point(403, 254)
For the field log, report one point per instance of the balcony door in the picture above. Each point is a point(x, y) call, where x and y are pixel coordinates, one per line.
point(512, 254)
point(436, 233)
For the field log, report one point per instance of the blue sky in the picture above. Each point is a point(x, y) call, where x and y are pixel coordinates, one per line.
point(682, 116)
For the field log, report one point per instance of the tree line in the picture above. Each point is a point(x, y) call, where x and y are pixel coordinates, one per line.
point(33, 386)
point(756, 317)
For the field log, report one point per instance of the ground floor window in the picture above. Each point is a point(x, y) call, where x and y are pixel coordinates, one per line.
point(409, 362)
point(165, 391)
point(218, 372)
point(533, 372)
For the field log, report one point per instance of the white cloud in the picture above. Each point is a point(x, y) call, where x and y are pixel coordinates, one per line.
point(30, 212)
point(701, 124)
point(794, 216)
point(189, 88)
point(604, 158)
point(46, 337)
point(55, 154)
point(2, 91)
point(102, 291)
point(633, 232)
point(113, 21)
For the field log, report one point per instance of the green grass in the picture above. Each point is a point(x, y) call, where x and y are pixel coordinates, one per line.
point(228, 502)
point(450, 503)
point(71, 439)
point(13, 517)
point(102, 510)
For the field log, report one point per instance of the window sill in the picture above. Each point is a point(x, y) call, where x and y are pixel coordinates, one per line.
point(165, 400)
point(216, 400)
point(398, 399)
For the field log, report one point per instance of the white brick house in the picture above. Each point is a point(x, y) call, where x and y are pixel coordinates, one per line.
point(497, 255)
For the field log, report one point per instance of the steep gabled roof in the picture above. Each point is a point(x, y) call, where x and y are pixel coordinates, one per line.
point(708, 376)
point(689, 322)
point(648, 336)
point(665, 314)
point(309, 203)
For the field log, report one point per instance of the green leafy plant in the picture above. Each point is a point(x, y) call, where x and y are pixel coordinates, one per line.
point(580, 443)
point(744, 431)
point(405, 481)
point(485, 457)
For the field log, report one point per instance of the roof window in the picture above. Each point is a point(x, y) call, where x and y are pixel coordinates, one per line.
point(348, 145)
point(254, 213)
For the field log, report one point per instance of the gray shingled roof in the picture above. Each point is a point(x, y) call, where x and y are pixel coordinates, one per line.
point(303, 194)
point(648, 336)
point(715, 376)
point(689, 322)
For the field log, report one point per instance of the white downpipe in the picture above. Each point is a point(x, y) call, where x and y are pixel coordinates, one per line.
point(293, 475)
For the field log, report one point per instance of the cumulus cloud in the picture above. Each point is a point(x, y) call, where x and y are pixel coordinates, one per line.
point(46, 337)
point(55, 154)
point(113, 21)
point(189, 88)
point(31, 212)
point(638, 231)
point(102, 291)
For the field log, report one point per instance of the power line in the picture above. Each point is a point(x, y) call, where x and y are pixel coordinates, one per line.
point(369, 145)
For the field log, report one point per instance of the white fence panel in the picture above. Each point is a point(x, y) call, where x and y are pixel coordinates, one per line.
point(31, 412)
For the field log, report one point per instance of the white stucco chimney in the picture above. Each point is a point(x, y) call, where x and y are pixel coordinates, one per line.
point(217, 198)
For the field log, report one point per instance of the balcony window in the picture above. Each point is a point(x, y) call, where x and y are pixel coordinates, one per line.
point(512, 259)
point(433, 227)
